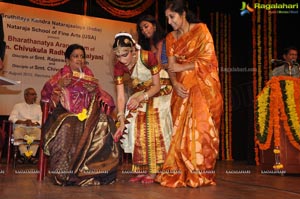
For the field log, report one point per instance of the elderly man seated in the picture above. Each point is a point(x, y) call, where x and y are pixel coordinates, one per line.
point(27, 118)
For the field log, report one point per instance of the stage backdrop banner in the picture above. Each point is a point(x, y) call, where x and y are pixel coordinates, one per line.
point(36, 40)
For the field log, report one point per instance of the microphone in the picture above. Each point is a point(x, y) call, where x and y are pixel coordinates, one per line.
point(294, 63)
point(278, 62)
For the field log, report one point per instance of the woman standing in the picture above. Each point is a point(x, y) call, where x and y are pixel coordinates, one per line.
point(152, 37)
point(146, 119)
point(79, 132)
point(196, 101)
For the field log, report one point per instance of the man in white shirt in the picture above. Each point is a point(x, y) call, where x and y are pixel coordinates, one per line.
point(27, 118)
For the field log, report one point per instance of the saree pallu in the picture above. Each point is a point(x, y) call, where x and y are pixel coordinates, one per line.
point(195, 141)
point(76, 96)
point(81, 152)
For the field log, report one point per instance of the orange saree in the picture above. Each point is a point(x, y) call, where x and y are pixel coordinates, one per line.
point(195, 141)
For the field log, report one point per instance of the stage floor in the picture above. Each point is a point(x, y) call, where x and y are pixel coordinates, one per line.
point(235, 180)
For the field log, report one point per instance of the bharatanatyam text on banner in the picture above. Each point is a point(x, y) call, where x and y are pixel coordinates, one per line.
point(36, 40)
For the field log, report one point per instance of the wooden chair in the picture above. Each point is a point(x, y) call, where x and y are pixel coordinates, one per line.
point(42, 164)
point(6, 130)
point(2, 138)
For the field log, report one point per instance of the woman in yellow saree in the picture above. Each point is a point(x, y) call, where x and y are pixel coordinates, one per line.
point(196, 102)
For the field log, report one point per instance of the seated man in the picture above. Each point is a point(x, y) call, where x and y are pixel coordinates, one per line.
point(27, 118)
point(288, 67)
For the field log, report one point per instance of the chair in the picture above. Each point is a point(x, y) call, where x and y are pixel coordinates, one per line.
point(42, 164)
point(13, 144)
point(6, 130)
point(2, 140)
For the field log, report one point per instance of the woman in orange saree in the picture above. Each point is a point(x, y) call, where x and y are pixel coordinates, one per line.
point(196, 103)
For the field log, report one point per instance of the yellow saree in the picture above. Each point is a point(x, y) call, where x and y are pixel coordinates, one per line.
point(195, 141)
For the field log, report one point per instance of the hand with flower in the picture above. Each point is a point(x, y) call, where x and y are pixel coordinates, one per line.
point(29, 139)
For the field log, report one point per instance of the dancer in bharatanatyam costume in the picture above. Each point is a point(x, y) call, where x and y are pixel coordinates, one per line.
point(146, 119)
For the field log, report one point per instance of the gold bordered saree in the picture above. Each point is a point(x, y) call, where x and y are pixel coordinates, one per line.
point(149, 127)
point(195, 141)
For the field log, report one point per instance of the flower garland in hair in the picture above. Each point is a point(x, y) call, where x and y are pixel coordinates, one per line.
point(125, 34)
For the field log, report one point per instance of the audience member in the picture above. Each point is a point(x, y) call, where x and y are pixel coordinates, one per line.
point(27, 118)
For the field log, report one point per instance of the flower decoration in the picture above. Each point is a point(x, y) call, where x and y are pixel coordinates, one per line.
point(276, 151)
point(278, 166)
point(83, 115)
point(29, 139)
point(291, 106)
point(277, 107)
point(118, 124)
point(263, 115)
point(28, 154)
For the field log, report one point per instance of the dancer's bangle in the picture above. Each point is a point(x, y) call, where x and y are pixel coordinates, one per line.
point(146, 96)
point(120, 114)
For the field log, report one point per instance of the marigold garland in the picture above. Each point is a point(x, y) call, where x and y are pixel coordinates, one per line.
point(220, 27)
point(277, 103)
point(263, 118)
point(265, 47)
point(229, 54)
point(291, 118)
point(254, 76)
point(259, 46)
